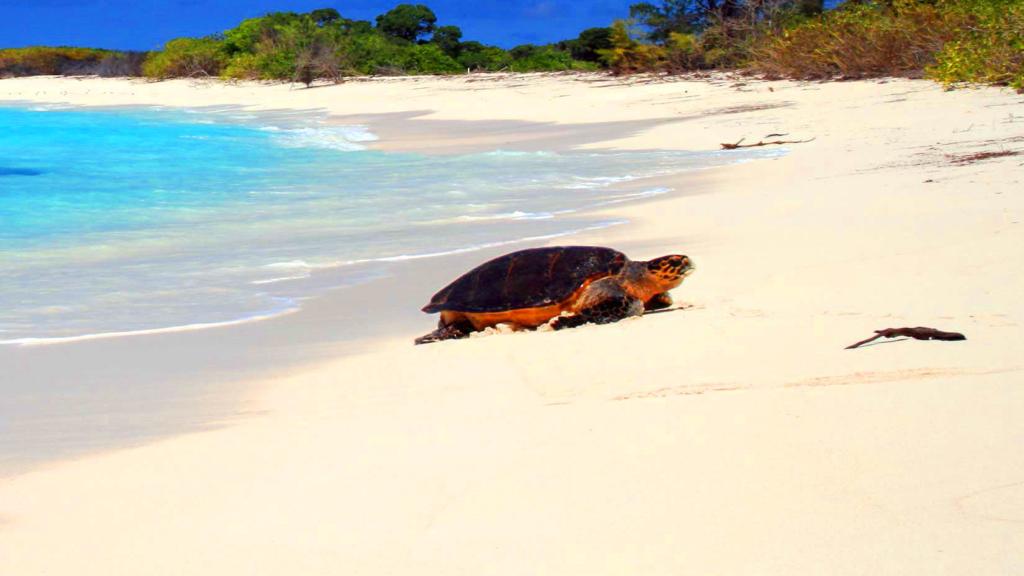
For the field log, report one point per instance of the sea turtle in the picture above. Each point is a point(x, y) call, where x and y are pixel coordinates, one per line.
point(573, 284)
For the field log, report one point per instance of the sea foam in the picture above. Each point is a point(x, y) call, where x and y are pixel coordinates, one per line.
point(340, 138)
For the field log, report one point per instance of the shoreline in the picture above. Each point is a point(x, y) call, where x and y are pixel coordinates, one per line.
point(79, 437)
point(588, 218)
point(265, 333)
point(735, 435)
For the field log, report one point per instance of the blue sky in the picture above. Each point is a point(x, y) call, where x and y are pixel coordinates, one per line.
point(147, 24)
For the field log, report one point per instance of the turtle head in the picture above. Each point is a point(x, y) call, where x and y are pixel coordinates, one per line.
point(670, 270)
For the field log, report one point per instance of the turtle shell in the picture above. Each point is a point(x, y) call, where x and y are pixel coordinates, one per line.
point(527, 279)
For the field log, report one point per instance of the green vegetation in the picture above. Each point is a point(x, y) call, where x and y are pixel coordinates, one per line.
point(949, 40)
point(952, 41)
point(40, 60)
point(187, 57)
point(989, 50)
point(407, 22)
point(861, 40)
point(323, 44)
point(685, 35)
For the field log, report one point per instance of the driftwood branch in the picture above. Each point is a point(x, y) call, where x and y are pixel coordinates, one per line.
point(918, 333)
point(739, 144)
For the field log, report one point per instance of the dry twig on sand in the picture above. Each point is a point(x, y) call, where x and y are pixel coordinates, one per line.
point(963, 159)
point(738, 144)
point(919, 333)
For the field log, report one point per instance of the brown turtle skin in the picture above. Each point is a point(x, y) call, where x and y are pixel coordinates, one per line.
point(530, 287)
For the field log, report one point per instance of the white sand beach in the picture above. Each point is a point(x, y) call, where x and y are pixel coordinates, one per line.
point(734, 436)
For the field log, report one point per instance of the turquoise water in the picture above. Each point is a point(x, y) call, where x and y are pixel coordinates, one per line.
point(150, 219)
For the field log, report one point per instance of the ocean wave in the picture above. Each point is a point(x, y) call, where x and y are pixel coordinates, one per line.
point(301, 268)
point(300, 264)
point(342, 138)
point(290, 305)
point(50, 107)
point(517, 215)
point(279, 279)
point(620, 198)
point(288, 308)
point(583, 183)
point(518, 153)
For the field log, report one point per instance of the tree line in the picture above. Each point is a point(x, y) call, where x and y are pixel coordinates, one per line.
point(949, 40)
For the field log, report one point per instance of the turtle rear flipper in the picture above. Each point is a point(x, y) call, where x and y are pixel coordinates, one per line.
point(604, 302)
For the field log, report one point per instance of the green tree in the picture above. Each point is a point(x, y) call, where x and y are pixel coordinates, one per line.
point(447, 39)
point(689, 16)
point(243, 38)
point(407, 21)
point(324, 16)
point(356, 26)
point(523, 51)
point(627, 54)
point(478, 57)
point(251, 32)
point(587, 44)
point(670, 16)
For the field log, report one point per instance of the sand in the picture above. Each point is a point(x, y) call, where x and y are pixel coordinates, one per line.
point(734, 436)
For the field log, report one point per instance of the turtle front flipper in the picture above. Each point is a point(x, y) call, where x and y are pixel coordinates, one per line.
point(658, 302)
point(445, 331)
point(603, 302)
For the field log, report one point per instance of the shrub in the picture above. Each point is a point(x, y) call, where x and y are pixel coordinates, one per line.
point(991, 50)
point(475, 56)
point(316, 62)
point(121, 64)
point(528, 58)
point(242, 67)
point(41, 60)
point(428, 59)
point(627, 55)
point(369, 54)
point(275, 61)
point(187, 57)
point(861, 40)
point(949, 40)
point(685, 52)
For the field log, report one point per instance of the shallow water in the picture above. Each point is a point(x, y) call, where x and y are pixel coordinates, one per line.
point(125, 221)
